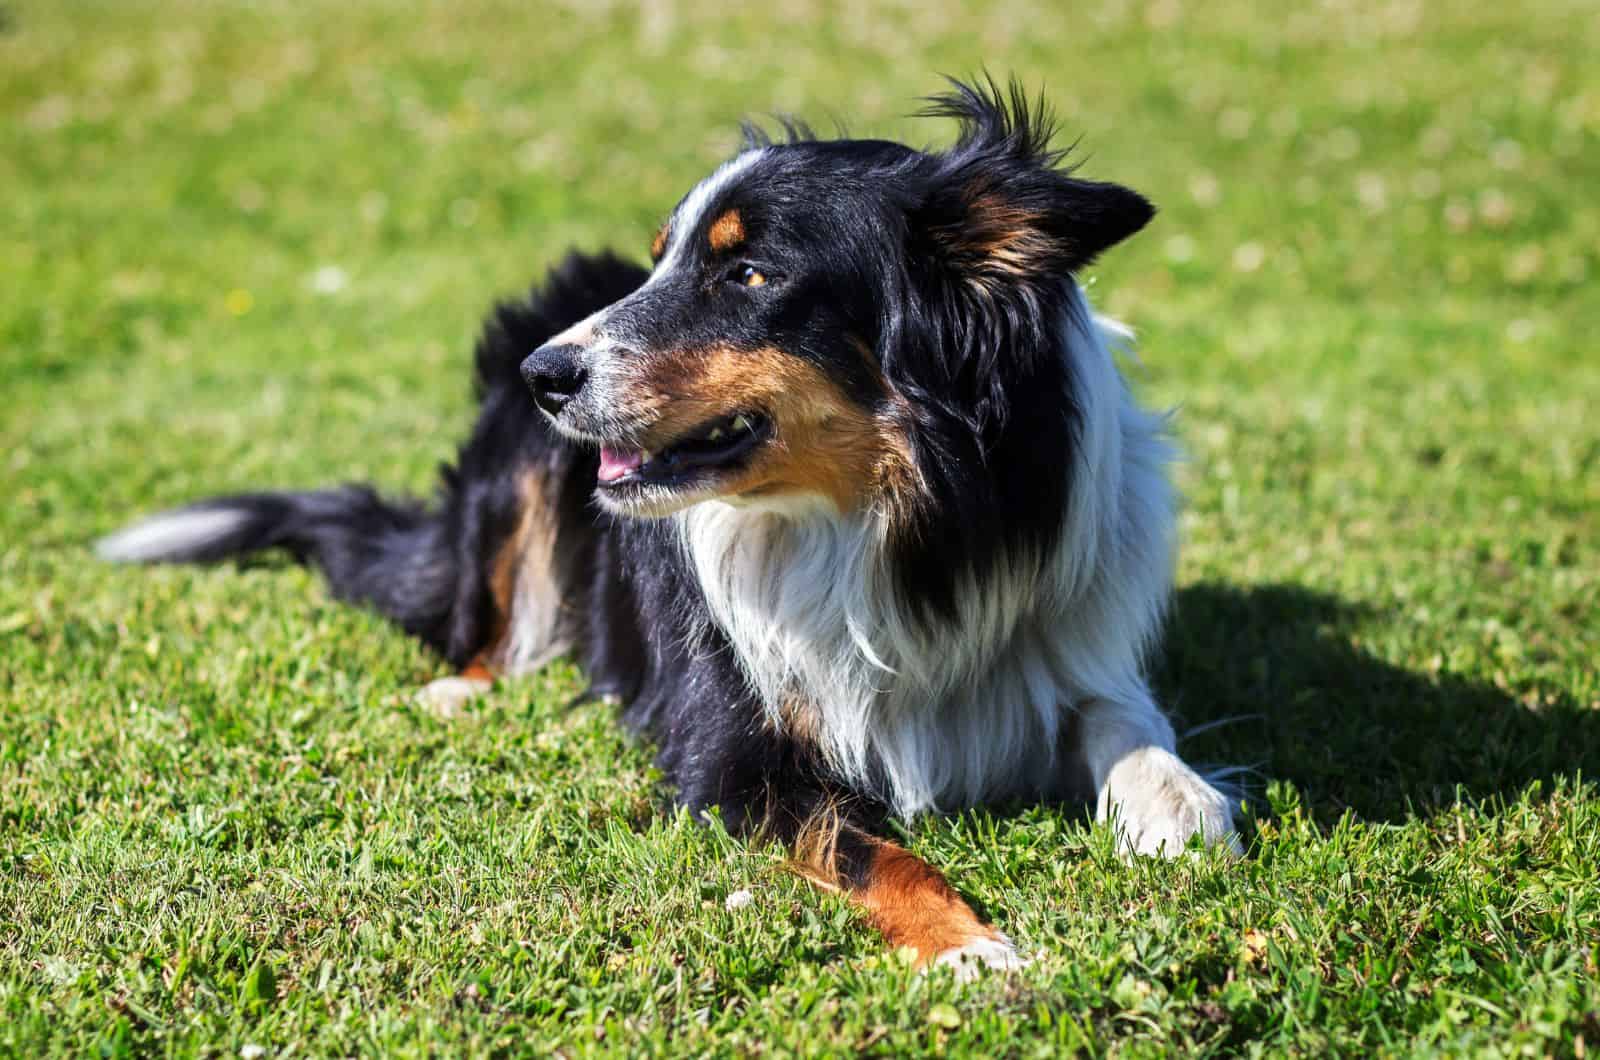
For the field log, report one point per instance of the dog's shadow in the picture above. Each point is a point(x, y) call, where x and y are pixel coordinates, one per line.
point(1268, 677)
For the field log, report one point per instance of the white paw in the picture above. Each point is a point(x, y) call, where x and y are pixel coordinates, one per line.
point(1157, 802)
point(446, 697)
point(968, 959)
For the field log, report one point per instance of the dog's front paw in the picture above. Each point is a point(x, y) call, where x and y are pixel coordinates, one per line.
point(996, 954)
point(1156, 803)
point(448, 696)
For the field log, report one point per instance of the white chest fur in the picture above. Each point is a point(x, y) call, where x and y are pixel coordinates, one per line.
point(975, 709)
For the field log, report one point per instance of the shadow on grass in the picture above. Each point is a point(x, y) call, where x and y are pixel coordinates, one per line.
point(1350, 731)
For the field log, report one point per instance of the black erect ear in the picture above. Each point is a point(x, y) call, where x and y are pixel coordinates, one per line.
point(1000, 207)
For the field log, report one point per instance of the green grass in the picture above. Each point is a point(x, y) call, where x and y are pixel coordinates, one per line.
point(1371, 289)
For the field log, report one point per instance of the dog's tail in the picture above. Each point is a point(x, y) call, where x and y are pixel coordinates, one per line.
point(393, 556)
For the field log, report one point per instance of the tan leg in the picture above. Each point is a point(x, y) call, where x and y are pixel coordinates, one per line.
point(906, 899)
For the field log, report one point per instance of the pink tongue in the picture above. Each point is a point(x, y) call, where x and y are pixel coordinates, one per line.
point(613, 465)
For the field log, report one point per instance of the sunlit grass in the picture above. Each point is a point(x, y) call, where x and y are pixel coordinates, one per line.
point(249, 245)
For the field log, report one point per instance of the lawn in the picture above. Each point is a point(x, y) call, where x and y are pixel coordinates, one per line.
point(248, 245)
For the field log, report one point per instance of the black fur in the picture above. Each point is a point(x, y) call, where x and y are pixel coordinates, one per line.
point(952, 335)
point(426, 566)
point(393, 556)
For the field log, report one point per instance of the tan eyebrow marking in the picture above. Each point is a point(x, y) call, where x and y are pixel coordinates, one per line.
point(658, 245)
point(726, 232)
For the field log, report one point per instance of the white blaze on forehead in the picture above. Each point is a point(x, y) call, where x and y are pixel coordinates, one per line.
point(687, 217)
point(579, 334)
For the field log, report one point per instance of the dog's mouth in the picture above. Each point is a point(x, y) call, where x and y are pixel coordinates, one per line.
point(702, 453)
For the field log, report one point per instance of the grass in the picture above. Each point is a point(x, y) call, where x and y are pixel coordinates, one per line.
point(248, 244)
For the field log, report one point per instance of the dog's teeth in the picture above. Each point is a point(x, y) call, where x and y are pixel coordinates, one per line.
point(645, 456)
point(714, 435)
point(741, 423)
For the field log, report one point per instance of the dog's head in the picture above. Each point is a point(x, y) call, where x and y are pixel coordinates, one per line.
point(832, 322)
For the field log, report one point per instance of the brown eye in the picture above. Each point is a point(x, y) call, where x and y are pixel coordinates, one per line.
point(751, 276)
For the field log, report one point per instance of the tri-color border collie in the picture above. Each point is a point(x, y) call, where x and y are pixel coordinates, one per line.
point(844, 498)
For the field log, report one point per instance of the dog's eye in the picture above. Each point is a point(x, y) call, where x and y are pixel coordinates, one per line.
point(747, 276)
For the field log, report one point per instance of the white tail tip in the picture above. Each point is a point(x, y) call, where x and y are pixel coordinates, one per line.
point(173, 535)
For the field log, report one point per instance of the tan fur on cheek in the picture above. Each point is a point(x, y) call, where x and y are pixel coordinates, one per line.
point(825, 443)
point(835, 449)
point(658, 245)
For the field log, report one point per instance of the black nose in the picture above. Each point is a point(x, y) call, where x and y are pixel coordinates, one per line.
point(555, 374)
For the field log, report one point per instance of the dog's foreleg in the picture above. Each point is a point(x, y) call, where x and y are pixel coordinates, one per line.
point(1143, 789)
point(904, 897)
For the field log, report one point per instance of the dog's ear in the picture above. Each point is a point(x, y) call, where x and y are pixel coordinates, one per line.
point(998, 207)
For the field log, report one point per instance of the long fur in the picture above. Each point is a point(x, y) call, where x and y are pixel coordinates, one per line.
point(424, 566)
point(391, 556)
point(971, 707)
point(846, 500)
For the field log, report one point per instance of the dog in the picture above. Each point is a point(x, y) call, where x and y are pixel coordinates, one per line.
point(844, 499)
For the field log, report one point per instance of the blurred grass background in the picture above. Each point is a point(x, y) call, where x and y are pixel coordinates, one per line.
point(248, 245)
